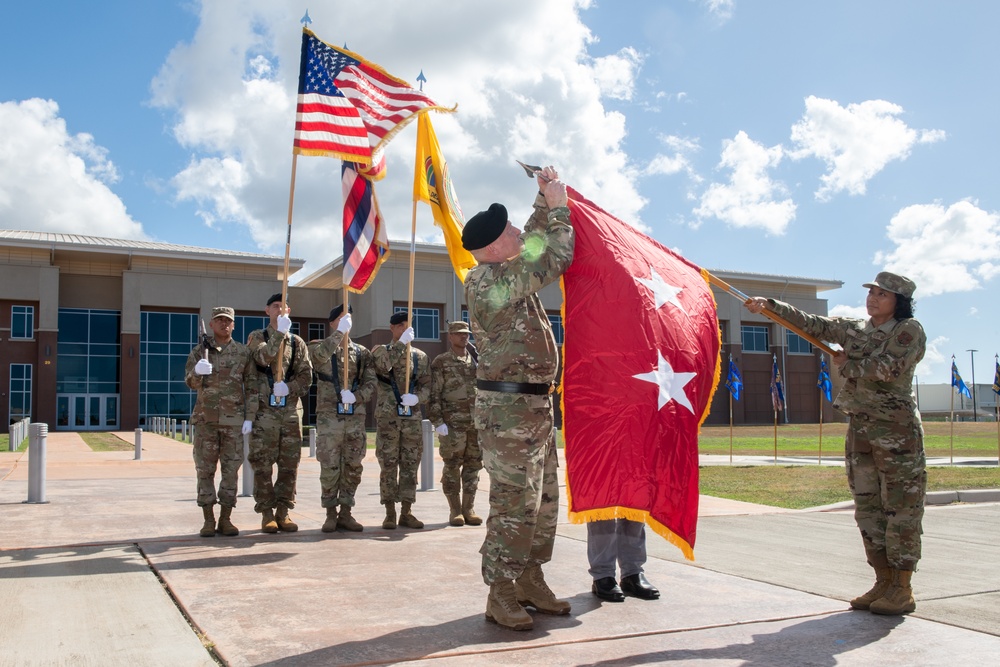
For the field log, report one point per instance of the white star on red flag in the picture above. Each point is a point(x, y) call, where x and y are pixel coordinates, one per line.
point(671, 384)
point(663, 292)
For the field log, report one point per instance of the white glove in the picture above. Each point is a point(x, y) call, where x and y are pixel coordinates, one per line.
point(203, 367)
point(284, 324)
point(247, 427)
point(406, 336)
point(280, 389)
point(409, 400)
point(347, 397)
point(344, 325)
point(442, 429)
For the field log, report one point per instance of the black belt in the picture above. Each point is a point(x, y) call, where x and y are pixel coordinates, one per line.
point(515, 387)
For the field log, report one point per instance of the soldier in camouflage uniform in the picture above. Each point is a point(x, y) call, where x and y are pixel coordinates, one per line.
point(886, 468)
point(453, 393)
point(277, 431)
point(518, 361)
point(398, 440)
point(221, 372)
point(341, 441)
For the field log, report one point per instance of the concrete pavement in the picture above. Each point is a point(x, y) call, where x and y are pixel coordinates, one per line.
point(111, 572)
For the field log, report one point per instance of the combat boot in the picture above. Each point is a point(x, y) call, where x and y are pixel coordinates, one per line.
point(502, 607)
point(898, 599)
point(455, 517)
point(883, 579)
point(389, 523)
point(532, 590)
point(330, 525)
point(468, 500)
point(406, 518)
point(284, 523)
point(348, 522)
point(267, 522)
point(208, 529)
point(226, 526)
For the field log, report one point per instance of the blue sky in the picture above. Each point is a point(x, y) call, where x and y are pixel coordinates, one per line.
point(826, 140)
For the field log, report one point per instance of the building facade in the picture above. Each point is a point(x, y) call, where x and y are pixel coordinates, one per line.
point(95, 332)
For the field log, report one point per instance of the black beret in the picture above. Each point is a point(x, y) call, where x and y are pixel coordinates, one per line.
point(484, 227)
point(399, 318)
point(335, 313)
point(274, 298)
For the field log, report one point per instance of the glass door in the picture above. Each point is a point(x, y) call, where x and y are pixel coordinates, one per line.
point(87, 412)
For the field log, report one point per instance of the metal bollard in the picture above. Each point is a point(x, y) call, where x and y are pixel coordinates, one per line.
point(427, 456)
point(247, 469)
point(173, 429)
point(138, 444)
point(312, 442)
point(184, 430)
point(37, 435)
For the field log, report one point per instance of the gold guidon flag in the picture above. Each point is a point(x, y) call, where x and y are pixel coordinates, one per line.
point(432, 184)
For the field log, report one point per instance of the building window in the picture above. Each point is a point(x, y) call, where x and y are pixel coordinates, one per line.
point(20, 392)
point(798, 345)
point(246, 324)
point(755, 338)
point(426, 322)
point(89, 351)
point(317, 331)
point(557, 327)
point(165, 341)
point(22, 322)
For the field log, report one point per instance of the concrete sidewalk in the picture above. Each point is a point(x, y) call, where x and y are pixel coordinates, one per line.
point(111, 571)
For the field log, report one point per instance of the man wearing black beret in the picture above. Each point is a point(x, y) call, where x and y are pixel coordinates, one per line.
point(518, 360)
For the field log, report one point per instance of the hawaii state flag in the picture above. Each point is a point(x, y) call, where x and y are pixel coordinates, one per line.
point(365, 242)
point(640, 364)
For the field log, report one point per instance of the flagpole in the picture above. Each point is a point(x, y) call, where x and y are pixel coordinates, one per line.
point(409, 302)
point(770, 314)
point(952, 442)
point(345, 343)
point(279, 373)
point(775, 436)
point(730, 428)
point(821, 426)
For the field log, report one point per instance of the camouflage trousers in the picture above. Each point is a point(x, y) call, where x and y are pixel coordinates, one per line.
point(217, 446)
point(463, 459)
point(886, 471)
point(276, 439)
point(517, 437)
point(340, 448)
point(399, 444)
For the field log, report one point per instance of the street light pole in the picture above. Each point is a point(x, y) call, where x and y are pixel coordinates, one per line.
point(972, 353)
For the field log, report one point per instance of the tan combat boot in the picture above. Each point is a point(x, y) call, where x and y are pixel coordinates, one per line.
point(468, 500)
point(389, 523)
point(532, 590)
point(226, 526)
point(898, 599)
point(502, 607)
point(330, 525)
point(208, 529)
point(348, 522)
point(267, 522)
point(883, 578)
point(455, 517)
point(284, 523)
point(406, 518)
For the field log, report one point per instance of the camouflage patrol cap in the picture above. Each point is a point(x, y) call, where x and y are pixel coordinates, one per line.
point(459, 327)
point(894, 283)
point(223, 311)
point(484, 227)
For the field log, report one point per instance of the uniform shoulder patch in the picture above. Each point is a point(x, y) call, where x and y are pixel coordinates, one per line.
point(904, 338)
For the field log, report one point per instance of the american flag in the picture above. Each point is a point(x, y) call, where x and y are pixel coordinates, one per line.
point(348, 107)
point(365, 244)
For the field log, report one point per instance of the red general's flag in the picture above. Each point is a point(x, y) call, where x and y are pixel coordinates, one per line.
point(640, 365)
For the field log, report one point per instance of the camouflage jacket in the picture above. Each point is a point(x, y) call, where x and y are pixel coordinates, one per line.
point(264, 353)
point(880, 362)
point(512, 330)
point(323, 353)
point(228, 396)
point(453, 390)
point(391, 358)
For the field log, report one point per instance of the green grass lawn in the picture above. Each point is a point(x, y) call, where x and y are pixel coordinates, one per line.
point(798, 487)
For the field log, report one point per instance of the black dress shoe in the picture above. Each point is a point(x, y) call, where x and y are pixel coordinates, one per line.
point(638, 586)
point(607, 589)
